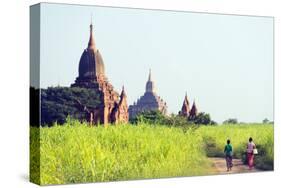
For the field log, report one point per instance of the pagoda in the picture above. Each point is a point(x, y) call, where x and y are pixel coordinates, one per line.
point(150, 101)
point(113, 107)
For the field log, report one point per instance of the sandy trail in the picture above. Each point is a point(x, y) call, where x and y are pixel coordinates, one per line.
point(219, 165)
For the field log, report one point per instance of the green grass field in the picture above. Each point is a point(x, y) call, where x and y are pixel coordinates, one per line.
point(215, 140)
point(76, 153)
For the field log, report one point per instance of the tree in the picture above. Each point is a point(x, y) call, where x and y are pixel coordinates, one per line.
point(57, 103)
point(178, 121)
point(151, 117)
point(202, 118)
point(265, 121)
point(231, 121)
point(156, 117)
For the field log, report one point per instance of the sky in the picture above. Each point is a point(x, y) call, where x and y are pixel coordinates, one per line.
point(223, 62)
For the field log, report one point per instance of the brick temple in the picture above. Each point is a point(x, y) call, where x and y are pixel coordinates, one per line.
point(185, 109)
point(113, 107)
point(150, 101)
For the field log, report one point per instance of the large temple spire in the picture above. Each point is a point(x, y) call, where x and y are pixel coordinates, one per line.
point(91, 75)
point(92, 43)
point(91, 63)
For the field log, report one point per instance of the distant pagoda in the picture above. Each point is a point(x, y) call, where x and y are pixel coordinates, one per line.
point(150, 101)
point(194, 111)
point(113, 108)
point(185, 109)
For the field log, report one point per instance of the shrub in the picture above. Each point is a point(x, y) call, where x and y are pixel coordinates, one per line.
point(231, 121)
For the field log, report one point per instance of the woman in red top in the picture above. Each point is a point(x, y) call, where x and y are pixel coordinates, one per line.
point(250, 153)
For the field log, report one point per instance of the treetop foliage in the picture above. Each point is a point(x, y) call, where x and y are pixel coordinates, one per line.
point(57, 103)
point(156, 117)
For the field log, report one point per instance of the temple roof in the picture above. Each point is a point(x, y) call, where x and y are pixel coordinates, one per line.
point(150, 87)
point(92, 43)
point(91, 62)
point(194, 110)
point(185, 104)
point(149, 101)
point(185, 109)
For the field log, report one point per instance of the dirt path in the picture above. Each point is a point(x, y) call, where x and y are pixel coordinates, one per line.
point(219, 165)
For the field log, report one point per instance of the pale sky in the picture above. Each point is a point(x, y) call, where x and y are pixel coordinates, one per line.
point(224, 62)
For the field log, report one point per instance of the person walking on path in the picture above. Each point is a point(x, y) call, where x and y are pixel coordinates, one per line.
point(250, 153)
point(228, 155)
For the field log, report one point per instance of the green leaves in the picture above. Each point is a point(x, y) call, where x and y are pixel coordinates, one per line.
point(156, 117)
point(59, 102)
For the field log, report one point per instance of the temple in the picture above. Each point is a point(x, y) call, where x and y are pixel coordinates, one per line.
point(113, 108)
point(150, 101)
point(193, 112)
point(186, 111)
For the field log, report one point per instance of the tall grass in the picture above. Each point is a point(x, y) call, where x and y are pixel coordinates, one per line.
point(77, 153)
point(215, 140)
